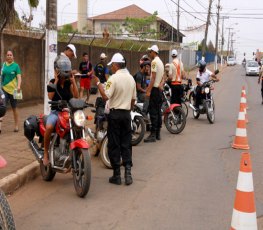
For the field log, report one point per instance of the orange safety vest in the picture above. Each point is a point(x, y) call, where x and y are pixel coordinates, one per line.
point(178, 79)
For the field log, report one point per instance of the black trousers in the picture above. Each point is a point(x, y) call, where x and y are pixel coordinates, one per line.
point(155, 104)
point(177, 93)
point(262, 88)
point(119, 136)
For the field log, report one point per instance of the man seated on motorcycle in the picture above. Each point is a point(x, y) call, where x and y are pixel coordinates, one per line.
point(203, 75)
point(62, 87)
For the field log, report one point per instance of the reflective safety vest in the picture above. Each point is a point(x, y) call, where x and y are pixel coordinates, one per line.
point(178, 78)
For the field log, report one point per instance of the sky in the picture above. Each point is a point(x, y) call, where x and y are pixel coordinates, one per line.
point(244, 18)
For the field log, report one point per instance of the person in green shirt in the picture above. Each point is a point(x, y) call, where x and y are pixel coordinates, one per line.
point(11, 81)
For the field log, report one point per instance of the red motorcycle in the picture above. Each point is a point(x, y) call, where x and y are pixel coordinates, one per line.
point(6, 216)
point(68, 150)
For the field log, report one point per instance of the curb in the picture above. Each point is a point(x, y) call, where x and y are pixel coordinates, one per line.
point(16, 180)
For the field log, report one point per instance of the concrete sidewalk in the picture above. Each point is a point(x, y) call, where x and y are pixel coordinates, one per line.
point(21, 163)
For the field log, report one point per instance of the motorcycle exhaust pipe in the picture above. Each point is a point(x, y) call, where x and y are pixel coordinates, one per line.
point(38, 152)
point(192, 107)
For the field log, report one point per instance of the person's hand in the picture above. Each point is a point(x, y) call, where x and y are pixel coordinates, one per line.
point(96, 79)
point(72, 78)
point(148, 93)
point(18, 90)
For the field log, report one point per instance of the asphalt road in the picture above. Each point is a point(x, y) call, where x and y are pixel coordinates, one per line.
point(184, 181)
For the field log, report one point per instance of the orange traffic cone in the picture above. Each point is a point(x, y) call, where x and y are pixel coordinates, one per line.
point(243, 103)
point(244, 211)
point(240, 141)
point(245, 95)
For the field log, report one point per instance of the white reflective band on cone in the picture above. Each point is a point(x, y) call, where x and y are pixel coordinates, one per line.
point(243, 100)
point(245, 182)
point(241, 116)
point(246, 221)
point(241, 132)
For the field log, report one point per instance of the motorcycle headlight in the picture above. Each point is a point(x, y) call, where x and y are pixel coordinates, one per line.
point(207, 90)
point(79, 118)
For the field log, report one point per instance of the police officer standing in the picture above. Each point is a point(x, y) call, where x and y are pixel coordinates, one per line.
point(120, 90)
point(155, 94)
point(177, 74)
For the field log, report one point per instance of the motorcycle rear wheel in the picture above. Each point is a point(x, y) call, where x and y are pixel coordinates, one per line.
point(138, 130)
point(175, 126)
point(104, 153)
point(6, 217)
point(210, 111)
point(82, 172)
point(47, 172)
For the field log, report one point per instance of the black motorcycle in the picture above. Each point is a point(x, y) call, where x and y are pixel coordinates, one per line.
point(207, 105)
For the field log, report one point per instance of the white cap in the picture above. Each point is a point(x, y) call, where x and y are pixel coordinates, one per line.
point(174, 53)
point(154, 48)
point(103, 56)
point(73, 48)
point(117, 58)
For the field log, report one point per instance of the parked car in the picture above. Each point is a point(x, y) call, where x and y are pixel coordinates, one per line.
point(231, 61)
point(252, 68)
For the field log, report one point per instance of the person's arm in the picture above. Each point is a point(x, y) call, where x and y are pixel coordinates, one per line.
point(74, 87)
point(91, 70)
point(101, 89)
point(52, 92)
point(19, 80)
point(150, 86)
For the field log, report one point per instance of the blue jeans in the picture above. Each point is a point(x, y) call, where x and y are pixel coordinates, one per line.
point(52, 118)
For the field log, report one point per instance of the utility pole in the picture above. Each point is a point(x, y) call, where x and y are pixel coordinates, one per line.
point(51, 46)
point(230, 28)
point(178, 17)
point(217, 28)
point(206, 29)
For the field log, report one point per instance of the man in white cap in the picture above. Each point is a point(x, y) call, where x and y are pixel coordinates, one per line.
point(155, 94)
point(101, 70)
point(176, 75)
point(120, 90)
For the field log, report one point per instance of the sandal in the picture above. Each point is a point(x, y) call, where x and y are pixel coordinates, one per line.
point(16, 130)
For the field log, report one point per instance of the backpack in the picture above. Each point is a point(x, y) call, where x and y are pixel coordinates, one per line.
point(100, 71)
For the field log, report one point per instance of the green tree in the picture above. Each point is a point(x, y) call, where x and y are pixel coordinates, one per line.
point(7, 13)
point(67, 29)
point(141, 27)
point(115, 28)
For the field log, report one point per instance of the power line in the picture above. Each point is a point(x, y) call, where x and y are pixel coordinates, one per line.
point(187, 11)
point(189, 5)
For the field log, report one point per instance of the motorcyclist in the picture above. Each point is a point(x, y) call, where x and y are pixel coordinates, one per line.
point(62, 87)
point(203, 75)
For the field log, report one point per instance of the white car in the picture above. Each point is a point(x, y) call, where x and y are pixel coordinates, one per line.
point(252, 68)
point(231, 61)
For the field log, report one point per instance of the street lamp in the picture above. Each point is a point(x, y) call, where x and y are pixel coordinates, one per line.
point(63, 12)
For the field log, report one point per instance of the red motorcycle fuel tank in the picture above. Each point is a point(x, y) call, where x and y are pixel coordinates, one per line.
point(62, 126)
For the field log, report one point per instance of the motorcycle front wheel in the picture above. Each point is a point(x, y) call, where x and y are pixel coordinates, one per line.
point(185, 108)
point(210, 111)
point(138, 130)
point(82, 172)
point(104, 153)
point(177, 123)
point(6, 217)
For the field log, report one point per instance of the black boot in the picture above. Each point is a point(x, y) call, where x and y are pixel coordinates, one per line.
point(116, 178)
point(151, 137)
point(158, 135)
point(127, 175)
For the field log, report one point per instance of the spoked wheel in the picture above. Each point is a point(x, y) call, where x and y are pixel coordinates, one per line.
point(138, 130)
point(210, 111)
point(82, 172)
point(175, 124)
point(185, 108)
point(6, 217)
point(104, 153)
